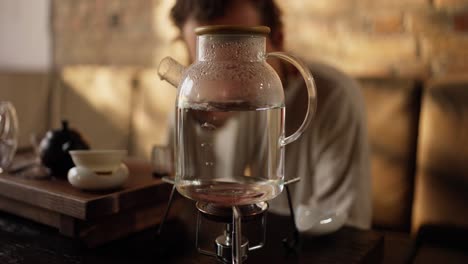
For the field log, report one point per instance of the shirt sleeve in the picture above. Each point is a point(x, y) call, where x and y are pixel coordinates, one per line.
point(339, 158)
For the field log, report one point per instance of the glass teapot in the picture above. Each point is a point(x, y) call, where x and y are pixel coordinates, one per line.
point(230, 117)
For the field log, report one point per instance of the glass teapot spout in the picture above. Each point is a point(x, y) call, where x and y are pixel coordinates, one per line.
point(171, 71)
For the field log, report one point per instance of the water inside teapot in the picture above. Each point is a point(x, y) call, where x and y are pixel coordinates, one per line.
point(229, 153)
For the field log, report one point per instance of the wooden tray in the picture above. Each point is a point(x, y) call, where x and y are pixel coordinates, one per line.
point(93, 217)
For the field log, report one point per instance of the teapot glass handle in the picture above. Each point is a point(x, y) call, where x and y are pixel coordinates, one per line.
point(311, 90)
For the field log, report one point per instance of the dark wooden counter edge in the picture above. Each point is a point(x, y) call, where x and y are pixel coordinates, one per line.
point(376, 253)
point(94, 221)
point(21, 192)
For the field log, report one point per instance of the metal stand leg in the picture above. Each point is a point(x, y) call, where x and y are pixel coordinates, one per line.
point(166, 212)
point(236, 236)
point(291, 242)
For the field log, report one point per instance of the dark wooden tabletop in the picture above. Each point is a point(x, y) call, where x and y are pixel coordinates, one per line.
point(22, 241)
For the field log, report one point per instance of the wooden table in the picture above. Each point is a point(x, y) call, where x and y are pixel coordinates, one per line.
point(93, 217)
point(45, 240)
point(23, 241)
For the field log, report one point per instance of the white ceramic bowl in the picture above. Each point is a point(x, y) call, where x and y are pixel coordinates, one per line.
point(82, 178)
point(99, 161)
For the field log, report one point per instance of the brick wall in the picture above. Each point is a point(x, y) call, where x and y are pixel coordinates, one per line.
point(111, 32)
point(108, 35)
point(369, 39)
point(411, 38)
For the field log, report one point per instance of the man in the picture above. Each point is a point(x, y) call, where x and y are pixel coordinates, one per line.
point(331, 157)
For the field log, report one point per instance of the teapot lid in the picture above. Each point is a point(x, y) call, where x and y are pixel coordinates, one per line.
point(230, 29)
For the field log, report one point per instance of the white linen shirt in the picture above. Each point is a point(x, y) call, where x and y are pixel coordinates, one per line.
point(331, 157)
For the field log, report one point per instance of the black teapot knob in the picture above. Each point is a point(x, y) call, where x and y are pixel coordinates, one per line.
point(54, 149)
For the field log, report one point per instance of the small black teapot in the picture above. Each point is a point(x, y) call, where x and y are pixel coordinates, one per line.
point(54, 149)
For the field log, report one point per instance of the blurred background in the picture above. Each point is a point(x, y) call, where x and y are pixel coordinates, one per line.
point(93, 62)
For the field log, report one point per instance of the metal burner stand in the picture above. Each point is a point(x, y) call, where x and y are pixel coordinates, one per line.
point(232, 237)
point(231, 246)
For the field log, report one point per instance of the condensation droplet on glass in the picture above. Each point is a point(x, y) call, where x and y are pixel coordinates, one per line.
point(208, 126)
point(209, 163)
point(205, 144)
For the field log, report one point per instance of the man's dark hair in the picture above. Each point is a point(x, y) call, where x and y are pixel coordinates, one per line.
point(206, 10)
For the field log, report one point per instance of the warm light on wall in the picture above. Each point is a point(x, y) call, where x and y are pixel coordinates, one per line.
point(97, 100)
